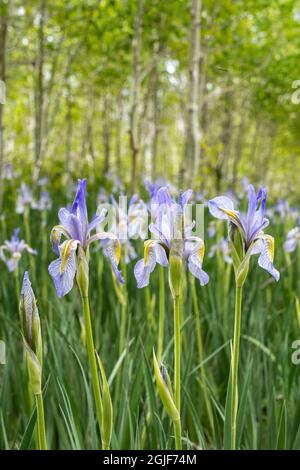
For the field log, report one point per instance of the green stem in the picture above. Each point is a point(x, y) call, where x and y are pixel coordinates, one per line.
point(177, 431)
point(41, 422)
point(92, 360)
point(44, 256)
point(235, 364)
point(28, 241)
point(123, 311)
point(161, 324)
point(200, 354)
point(17, 284)
point(177, 426)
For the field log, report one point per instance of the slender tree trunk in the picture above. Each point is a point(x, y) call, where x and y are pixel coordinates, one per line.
point(4, 13)
point(203, 115)
point(155, 110)
point(119, 121)
point(106, 132)
point(69, 128)
point(39, 92)
point(192, 142)
point(134, 112)
point(238, 149)
point(223, 157)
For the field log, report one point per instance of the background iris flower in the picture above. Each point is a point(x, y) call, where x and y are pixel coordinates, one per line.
point(76, 230)
point(251, 226)
point(14, 248)
point(168, 226)
point(24, 198)
point(292, 240)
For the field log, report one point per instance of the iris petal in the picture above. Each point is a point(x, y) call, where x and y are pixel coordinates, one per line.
point(111, 250)
point(195, 267)
point(144, 267)
point(265, 246)
point(63, 276)
point(219, 206)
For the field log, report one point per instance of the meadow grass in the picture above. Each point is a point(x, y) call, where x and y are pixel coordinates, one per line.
point(269, 408)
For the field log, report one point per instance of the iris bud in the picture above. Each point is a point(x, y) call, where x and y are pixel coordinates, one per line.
point(82, 275)
point(165, 393)
point(237, 245)
point(31, 334)
point(175, 267)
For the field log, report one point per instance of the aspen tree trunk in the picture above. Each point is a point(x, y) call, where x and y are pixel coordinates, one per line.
point(4, 13)
point(106, 132)
point(69, 129)
point(39, 93)
point(134, 111)
point(192, 141)
point(223, 157)
point(155, 110)
point(238, 148)
point(119, 121)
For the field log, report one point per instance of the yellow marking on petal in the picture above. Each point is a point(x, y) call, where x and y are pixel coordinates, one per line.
point(201, 251)
point(147, 246)
point(16, 256)
point(271, 246)
point(57, 231)
point(65, 255)
point(231, 214)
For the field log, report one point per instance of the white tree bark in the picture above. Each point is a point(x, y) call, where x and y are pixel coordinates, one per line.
point(192, 143)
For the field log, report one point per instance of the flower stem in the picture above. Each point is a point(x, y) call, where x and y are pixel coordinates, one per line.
point(161, 324)
point(123, 312)
point(17, 284)
point(235, 364)
point(200, 354)
point(28, 241)
point(92, 359)
point(177, 425)
point(41, 422)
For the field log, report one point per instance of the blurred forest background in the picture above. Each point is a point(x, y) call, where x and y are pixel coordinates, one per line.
point(199, 92)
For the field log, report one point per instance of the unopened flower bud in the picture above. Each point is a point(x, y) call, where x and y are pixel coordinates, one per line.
point(175, 267)
point(31, 334)
point(82, 275)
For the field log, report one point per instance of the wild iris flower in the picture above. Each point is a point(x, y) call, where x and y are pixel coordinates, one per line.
point(131, 224)
point(44, 203)
point(292, 240)
point(173, 244)
point(24, 198)
point(224, 248)
point(32, 338)
point(76, 229)
point(246, 237)
point(167, 227)
point(14, 247)
point(250, 226)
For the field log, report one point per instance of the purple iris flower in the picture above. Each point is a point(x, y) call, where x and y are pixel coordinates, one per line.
point(223, 247)
point(152, 189)
point(76, 229)
point(292, 240)
point(169, 226)
point(24, 198)
point(44, 203)
point(211, 231)
point(250, 226)
point(14, 247)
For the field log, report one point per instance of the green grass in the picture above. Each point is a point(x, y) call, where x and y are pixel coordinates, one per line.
point(269, 404)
